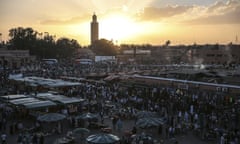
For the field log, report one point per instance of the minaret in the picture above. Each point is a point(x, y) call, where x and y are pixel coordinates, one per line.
point(94, 29)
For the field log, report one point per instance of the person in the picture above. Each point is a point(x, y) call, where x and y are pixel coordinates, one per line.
point(24, 139)
point(37, 125)
point(4, 123)
point(222, 140)
point(34, 139)
point(134, 130)
point(119, 124)
point(114, 121)
point(59, 128)
point(11, 127)
point(0, 125)
point(160, 129)
point(102, 118)
point(20, 138)
point(41, 140)
point(3, 138)
point(20, 126)
point(186, 116)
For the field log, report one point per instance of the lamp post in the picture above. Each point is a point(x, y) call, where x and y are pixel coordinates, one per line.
point(4, 69)
point(1, 41)
point(0, 38)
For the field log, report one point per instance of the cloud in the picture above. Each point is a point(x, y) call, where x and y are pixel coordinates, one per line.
point(225, 18)
point(131, 5)
point(215, 6)
point(73, 20)
point(221, 7)
point(154, 13)
point(219, 13)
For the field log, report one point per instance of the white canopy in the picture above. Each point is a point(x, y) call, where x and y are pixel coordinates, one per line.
point(11, 97)
point(24, 100)
point(39, 105)
point(59, 98)
point(39, 81)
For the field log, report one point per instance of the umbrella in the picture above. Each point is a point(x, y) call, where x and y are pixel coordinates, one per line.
point(149, 122)
point(87, 116)
point(102, 138)
point(81, 131)
point(51, 117)
point(143, 114)
point(143, 137)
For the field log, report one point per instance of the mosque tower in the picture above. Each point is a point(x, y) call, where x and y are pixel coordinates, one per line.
point(94, 29)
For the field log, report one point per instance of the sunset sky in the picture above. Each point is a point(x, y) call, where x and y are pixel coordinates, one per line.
point(128, 21)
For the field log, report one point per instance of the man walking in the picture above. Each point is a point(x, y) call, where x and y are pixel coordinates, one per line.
point(3, 138)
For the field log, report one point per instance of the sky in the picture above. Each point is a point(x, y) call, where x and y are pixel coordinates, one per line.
point(128, 21)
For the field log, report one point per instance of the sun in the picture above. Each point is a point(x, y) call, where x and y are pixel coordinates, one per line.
point(118, 27)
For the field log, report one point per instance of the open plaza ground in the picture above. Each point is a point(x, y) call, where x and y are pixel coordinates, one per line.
point(51, 108)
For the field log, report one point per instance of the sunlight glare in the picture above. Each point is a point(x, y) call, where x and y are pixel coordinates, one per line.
point(118, 27)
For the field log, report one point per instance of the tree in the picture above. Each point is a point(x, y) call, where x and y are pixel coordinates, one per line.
point(42, 45)
point(22, 38)
point(104, 47)
point(46, 46)
point(66, 47)
point(168, 42)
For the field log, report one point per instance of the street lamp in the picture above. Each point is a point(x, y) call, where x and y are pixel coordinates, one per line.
point(0, 38)
point(4, 68)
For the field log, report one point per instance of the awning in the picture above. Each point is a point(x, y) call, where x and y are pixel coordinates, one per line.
point(60, 98)
point(39, 105)
point(11, 97)
point(69, 100)
point(23, 101)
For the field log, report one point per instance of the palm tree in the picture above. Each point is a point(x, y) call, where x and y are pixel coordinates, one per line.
point(168, 42)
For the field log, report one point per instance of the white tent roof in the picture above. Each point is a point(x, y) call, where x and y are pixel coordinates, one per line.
point(11, 97)
point(46, 82)
point(23, 100)
point(59, 98)
point(40, 104)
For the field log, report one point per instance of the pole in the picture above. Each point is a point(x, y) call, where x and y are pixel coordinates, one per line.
point(4, 69)
point(0, 38)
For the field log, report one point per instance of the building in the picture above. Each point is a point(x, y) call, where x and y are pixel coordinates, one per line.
point(15, 58)
point(84, 53)
point(140, 56)
point(182, 54)
point(94, 29)
point(214, 54)
point(169, 54)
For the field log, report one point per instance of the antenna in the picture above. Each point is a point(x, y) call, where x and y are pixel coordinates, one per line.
point(236, 39)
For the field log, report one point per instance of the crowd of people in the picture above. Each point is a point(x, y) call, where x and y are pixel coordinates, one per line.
point(210, 116)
